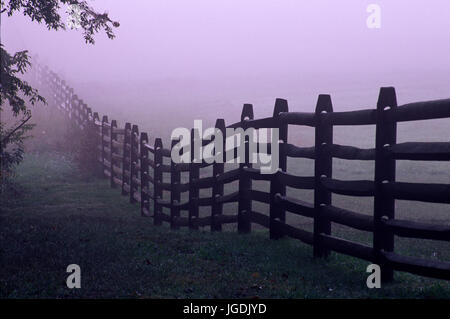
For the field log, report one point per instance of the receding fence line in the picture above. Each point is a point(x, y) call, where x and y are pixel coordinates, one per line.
point(137, 166)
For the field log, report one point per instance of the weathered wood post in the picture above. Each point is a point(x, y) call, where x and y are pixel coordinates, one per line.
point(113, 137)
point(52, 89)
point(104, 136)
point(245, 182)
point(70, 105)
point(63, 96)
point(126, 159)
point(84, 117)
point(158, 177)
point(323, 167)
point(66, 99)
point(277, 188)
point(97, 140)
point(134, 158)
point(89, 117)
point(384, 203)
point(175, 177)
point(194, 173)
point(76, 108)
point(218, 187)
point(57, 93)
point(145, 198)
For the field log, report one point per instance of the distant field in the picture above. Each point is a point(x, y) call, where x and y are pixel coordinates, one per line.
point(59, 217)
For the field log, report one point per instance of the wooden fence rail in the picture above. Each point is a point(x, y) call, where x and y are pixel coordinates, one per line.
point(132, 162)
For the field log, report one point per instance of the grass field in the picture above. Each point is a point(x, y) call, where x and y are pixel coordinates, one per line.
point(59, 217)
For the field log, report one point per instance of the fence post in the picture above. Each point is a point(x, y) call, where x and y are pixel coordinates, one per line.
point(69, 103)
point(113, 137)
point(67, 95)
point(384, 203)
point(145, 198)
point(89, 116)
point(134, 157)
point(57, 93)
point(157, 176)
point(276, 212)
point(84, 117)
point(104, 120)
point(76, 104)
point(64, 97)
point(97, 136)
point(174, 189)
point(80, 114)
point(194, 173)
point(218, 169)
point(323, 166)
point(74, 107)
point(245, 183)
point(126, 155)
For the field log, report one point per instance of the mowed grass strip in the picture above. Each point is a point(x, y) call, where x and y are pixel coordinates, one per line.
point(58, 217)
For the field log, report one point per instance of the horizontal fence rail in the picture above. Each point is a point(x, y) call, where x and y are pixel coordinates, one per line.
point(136, 165)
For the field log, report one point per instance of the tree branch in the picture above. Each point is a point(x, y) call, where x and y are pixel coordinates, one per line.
point(15, 130)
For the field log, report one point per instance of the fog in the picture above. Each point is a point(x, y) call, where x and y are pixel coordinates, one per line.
point(177, 60)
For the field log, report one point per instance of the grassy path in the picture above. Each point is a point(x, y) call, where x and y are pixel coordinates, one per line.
point(59, 218)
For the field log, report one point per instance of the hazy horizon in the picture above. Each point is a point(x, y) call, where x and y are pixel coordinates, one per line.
point(206, 58)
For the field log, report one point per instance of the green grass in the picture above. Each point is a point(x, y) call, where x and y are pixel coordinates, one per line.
point(58, 217)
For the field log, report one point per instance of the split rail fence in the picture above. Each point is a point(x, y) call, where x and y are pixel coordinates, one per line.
point(135, 165)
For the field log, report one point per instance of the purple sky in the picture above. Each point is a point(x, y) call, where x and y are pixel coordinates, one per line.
point(161, 38)
point(251, 50)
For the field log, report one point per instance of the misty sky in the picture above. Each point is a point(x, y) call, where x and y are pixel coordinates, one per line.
point(251, 50)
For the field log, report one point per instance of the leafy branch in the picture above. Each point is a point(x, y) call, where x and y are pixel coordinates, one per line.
point(46, 11)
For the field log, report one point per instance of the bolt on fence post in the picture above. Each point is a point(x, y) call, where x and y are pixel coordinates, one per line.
point(218, 187)
point(134, 158)
point(174, 189)
point(113, 137)
point(145, 198)
point(126, 159)
point(157, 176)
point(384, 203)
point(323, 167)
point(194, 173)
point(277, 214)
point(245, 182)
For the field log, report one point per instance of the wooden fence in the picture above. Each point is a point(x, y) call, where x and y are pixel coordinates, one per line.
point(136, 165)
